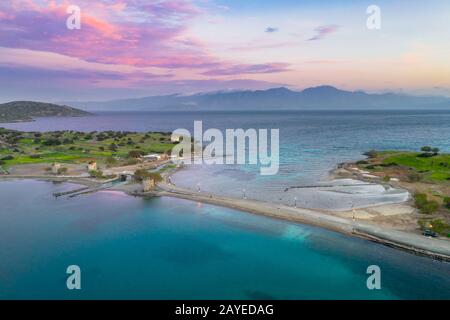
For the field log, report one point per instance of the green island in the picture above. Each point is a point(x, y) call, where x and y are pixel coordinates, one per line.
point(425, 174)
point(31, 153)
point(21, 111)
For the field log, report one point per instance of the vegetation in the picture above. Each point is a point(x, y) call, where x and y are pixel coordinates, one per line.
point(437, 225)
point(98, 174)
point(447, 202)
point(141, 174)
point(427, 166)
point(27, 110)
point(110, 148)
point(428, 151)
point(426, 174)
point(424, 205)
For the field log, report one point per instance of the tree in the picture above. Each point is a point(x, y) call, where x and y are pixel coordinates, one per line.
point(424, 205)
point(98, 174)
point(447, 202)
point(428, 152)
point(141, 175)
point(371, 154)
point(135, 153)
point(52, 142)
point(113, 147)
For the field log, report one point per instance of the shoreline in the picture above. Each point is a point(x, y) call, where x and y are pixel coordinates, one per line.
point(435, 248)
point(414, 243)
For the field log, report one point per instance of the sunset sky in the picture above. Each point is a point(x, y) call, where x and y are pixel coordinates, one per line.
point(134, 48)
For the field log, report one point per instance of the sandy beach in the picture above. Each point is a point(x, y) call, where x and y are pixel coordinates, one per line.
point(405, 240)
point(390, 224)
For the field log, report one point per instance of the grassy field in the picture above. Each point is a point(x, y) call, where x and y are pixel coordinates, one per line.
point(77, 147)
point(425, 174)
point(435, 168)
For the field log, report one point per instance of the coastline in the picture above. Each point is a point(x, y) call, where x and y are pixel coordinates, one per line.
point(418, 244)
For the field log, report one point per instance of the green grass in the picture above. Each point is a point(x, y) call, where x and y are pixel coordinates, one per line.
point(81, 149)
point(436, 168)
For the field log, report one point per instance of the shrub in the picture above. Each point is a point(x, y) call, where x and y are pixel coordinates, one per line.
point(98, 174)
point(62, 170)
point(447, 202)
point(371, 154)
point(113, 147)
point(415, 177)
point(430, 207)
point(386, 178)
point(424, 205)
point(141, 174)
point(9, 157)
point(52, 142)
point(135, 153)
point(440, 227)
point(420, 199)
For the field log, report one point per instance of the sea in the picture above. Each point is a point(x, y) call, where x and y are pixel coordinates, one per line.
point(164, 248)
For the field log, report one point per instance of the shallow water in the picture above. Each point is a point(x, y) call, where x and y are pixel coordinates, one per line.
point(162, 248)
point(311, 144)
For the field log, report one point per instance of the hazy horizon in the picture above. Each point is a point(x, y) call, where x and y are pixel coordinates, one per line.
point(134, 48)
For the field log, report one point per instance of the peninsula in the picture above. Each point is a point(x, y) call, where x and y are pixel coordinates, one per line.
point(22, 111)
point(140, 164)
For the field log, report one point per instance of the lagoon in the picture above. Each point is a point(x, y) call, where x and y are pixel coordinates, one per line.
point(164, 248)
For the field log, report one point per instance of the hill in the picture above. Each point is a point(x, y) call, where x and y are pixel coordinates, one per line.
point(18, 111)
point(322, 97)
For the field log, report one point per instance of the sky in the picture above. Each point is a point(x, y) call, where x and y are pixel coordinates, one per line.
point(136, 48)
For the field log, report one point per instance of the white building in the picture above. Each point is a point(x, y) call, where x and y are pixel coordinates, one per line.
point(152, 157)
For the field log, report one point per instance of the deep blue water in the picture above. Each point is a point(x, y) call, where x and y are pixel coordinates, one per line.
point(167, 248)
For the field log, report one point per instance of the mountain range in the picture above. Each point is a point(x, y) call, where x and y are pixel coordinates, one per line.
point(322, 97)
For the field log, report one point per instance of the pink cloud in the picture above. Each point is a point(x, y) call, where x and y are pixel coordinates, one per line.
point(137, 33)
point(120, 32)
point(323, 31)
point(249, 69)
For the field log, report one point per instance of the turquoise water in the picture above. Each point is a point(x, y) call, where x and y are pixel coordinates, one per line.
point(311, 144)
point(167, 248)
point(163, 248)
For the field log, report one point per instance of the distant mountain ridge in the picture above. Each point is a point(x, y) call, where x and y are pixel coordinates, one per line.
point(322, 97)
point(18, 111)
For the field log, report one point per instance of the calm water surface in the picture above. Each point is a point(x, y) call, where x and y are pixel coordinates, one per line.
point(311, 144)
point(167, 248)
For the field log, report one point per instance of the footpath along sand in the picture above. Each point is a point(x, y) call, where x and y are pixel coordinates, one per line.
point(436, 248)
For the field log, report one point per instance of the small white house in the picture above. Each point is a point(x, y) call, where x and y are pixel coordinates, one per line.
point(152, 157)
